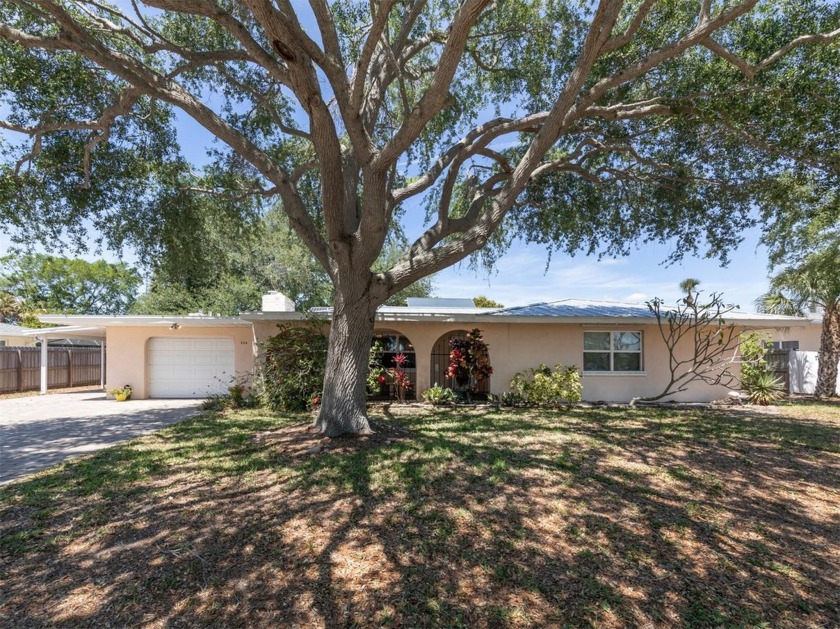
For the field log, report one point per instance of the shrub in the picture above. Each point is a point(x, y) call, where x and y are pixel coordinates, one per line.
point(439, 396)
point(295, 362)
point(545, 387)
point(764, 389)
point(469, 361)
point(761, 385)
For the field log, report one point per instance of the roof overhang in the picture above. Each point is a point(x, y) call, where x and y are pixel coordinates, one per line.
point(133, 321)
point(485, 318)
point(68, 332)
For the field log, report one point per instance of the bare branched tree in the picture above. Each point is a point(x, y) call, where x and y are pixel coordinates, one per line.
point(701, 345)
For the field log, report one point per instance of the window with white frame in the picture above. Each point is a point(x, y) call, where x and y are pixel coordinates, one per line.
point(612, 351)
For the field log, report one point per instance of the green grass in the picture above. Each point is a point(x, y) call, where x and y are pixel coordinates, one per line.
point(587, 517)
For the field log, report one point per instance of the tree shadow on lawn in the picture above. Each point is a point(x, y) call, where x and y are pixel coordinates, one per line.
point(579, 518)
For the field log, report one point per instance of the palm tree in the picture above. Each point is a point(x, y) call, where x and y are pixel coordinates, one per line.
point(808, 286)
point(689, 286)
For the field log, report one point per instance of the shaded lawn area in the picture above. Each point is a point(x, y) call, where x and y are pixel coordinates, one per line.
point(481, 518)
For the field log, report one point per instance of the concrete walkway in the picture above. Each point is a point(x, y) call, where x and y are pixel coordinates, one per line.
point(40, 431)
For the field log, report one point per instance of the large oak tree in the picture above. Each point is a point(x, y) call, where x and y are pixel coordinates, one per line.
point(582, 125)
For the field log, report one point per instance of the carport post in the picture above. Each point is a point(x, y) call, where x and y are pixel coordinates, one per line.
point(45, 359)
point(102, 365)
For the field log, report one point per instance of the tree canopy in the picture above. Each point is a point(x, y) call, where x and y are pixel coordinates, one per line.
point(41, 282)
point(803, 288)
point(485, 302)
point(581, 125)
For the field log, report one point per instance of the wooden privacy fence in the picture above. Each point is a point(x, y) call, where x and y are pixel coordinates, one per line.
point(778, 362)
point(20, 368)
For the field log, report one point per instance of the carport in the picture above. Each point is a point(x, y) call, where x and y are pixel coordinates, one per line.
point(89, 332)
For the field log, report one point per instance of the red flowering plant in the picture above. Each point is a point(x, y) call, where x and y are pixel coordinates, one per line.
point(400, 376)
point(469, 361)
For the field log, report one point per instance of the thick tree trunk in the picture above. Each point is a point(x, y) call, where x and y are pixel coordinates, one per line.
point(829, 354)
point(344, 400)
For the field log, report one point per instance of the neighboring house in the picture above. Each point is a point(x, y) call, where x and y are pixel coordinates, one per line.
point(617, 346)
point(13, 336)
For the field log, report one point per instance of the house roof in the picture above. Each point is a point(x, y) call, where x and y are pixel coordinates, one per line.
point(8, 329)
point(578, 308)
point(563, 311)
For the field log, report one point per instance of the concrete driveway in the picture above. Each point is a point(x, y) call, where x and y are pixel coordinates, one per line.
point(40, 431)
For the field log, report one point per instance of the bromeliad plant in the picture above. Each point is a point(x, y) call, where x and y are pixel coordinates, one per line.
point(469, 361)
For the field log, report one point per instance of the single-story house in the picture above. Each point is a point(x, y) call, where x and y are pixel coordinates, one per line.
point(617, 346)
point(13, 336)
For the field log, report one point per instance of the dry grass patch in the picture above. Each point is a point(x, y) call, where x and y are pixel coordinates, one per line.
point(591, 517)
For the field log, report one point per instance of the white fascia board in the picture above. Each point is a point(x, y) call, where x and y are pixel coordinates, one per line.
point(106, 321)
point(68, 331)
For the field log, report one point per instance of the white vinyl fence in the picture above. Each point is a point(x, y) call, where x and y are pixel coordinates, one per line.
point(803, 372)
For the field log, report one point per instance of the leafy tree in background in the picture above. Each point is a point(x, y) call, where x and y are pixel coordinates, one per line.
point(583, 126)
point(233, 269)
point(237, 267)
point(800, 289)
point(70, 286)
point(483, 302)
point(11, 310)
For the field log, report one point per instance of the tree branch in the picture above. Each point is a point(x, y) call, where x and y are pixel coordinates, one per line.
point(749, 70)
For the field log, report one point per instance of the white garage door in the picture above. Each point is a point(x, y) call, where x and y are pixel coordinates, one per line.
point(191, 368)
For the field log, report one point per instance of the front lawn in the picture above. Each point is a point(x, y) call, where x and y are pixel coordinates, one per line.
point(591, 517)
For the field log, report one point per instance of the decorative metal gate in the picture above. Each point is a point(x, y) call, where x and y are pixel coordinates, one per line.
point(440, 364)
point(393, 343)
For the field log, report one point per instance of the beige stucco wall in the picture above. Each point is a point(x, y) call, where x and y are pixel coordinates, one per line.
point(808, 336)
point(127, 348)
point(516, 347)
point(18, 341)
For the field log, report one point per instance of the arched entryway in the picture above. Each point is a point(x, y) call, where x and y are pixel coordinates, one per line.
point(391, 343)
point(440, 364)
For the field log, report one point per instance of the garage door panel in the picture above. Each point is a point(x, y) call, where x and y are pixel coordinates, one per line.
point(184, 367)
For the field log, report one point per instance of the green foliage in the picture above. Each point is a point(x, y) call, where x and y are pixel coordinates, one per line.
point(11, 310)
point(439, 396)
point(544, 386)
point(294, 365)
point(483, 302)
point(469, 360)
point(235, 398)
point(757, 380)
point(234, 266)
point(764, 388)
point(71, 286)
point(124, 390)
point(375, 368)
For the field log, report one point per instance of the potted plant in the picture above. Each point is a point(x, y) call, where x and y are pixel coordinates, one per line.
point(121, 394)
